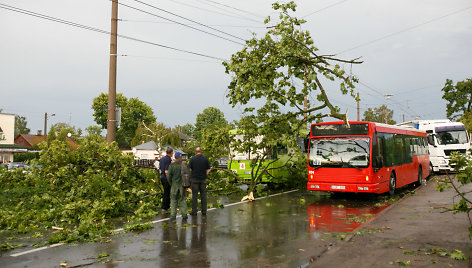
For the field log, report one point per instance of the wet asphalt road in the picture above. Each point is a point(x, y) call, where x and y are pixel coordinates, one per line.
point(287, 230)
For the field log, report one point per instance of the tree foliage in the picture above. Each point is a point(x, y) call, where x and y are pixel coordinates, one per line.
point(188, 129)
point(20, 125)
point(80, 191)
point(133, 111)
point(61, 131)
point(93, 130)
point(265, 79)
point(209, 118)
point(215, 142)
point(459, 101)
point(380, 114)
point(158, 133)
point(463, 167)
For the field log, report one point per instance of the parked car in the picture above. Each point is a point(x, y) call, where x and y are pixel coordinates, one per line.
point(15, 165)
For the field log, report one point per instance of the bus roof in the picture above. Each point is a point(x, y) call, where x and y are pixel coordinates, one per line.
point(380, 127)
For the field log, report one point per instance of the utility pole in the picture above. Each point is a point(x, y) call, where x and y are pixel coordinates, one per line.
point(358, 109)
point(45, 124)
point(111, 121)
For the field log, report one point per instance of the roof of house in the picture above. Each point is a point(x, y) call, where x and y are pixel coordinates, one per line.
point(32, 139)
point(150, 145)
point(37, 139)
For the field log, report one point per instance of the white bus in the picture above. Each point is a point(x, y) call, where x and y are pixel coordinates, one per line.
point(444, 138)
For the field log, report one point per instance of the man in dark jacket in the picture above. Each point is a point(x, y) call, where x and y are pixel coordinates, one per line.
point(200, 167)
point(164, 168)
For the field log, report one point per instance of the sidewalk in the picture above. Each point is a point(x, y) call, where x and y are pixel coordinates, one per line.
point(414, 232)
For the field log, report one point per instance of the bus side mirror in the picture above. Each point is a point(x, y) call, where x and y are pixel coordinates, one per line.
point(431, 140)
point(378, 163)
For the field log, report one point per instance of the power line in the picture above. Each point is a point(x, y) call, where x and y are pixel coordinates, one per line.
point(196, 22)
point(229, 11)
point(406, 29)
point(214, 25)
point(38, 15)
point(237, 9)
point(163, 58)
point(212, 11)
point(330, 6)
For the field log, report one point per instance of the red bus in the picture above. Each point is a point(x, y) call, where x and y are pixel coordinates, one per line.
point(365, 157)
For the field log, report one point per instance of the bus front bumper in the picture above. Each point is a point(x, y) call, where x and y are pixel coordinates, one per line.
point(346, 187)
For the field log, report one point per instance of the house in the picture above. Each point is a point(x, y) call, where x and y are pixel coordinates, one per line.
point(150, 150)
point(146, 150)
point(30, 141)
point(7, 130)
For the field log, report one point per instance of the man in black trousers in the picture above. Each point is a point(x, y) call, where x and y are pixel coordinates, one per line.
point(200, 167)
point(164, 168)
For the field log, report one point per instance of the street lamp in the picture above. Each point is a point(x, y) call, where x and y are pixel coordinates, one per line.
point(46, 122)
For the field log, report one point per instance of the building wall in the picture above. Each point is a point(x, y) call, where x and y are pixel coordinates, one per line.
point(7, 126)
point(145, 154)
point(6, 157)
point(20, 140)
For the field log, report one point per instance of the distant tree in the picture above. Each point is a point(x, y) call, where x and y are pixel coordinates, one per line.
point(211, 117)
point(379, 115)
point(158, 133)
point(459, 98)
point(94, 130)
point(188, 129)
point(216, 142)
point(20, 125)
point(133, 111)
point(61, 131)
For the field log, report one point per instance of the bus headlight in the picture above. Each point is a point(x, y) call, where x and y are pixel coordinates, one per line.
point(366, 178)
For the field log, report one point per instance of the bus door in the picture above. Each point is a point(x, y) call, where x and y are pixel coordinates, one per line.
point(381, 173)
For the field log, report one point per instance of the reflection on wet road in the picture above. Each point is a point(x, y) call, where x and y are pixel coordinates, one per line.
point(283, 231)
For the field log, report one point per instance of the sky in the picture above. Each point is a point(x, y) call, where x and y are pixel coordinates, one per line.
point(408, 48)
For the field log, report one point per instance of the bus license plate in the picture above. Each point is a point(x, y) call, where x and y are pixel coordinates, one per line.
point(338, 187)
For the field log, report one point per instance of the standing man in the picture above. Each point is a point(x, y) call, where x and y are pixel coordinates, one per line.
point(177, 191)
point(164, 167)
point(200, 167)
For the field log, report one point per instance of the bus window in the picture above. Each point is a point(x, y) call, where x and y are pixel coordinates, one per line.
point(346, 152)
point(377, 151)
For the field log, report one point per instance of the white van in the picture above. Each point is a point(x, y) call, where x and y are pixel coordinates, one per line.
point(444, 138)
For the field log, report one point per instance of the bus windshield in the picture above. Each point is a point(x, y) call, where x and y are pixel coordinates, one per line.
point(350, 152)
point(452, 137)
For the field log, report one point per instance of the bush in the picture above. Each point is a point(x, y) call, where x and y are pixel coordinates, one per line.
point(25, 157)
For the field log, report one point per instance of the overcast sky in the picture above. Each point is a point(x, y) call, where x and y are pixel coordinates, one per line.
point(409, 49)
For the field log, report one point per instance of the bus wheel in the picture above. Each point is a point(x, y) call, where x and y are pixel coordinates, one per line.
point(420, 177)
point(431, 170)
point(392, 184)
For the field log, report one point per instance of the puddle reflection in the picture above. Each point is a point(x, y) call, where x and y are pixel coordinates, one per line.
point(340, 217)
point(179, 251)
